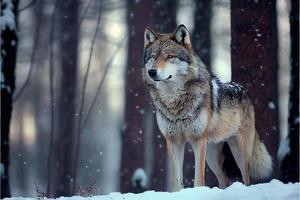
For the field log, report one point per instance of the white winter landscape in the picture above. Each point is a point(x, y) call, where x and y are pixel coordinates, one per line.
point(274, 190)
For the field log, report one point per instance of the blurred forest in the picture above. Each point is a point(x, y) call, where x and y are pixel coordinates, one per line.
point(76, 117)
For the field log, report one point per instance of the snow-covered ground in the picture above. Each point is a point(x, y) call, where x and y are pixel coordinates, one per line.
point(275, 190)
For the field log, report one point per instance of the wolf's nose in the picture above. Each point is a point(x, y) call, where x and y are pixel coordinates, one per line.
point(152, 72)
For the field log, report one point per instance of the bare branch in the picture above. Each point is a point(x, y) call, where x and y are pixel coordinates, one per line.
point(119, 47)
point(40, 195)
point(84, 12)
point(26, 82)
point(87, 191)
point(51, 72)
point(115, 6)
point(81, 107)
point(27, 6)
point(87, 71)
point(32, 58)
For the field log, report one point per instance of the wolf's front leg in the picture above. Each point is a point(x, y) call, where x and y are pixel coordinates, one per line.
point(176, 154)
point(199, 147)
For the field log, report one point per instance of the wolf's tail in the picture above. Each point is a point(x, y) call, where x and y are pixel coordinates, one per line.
point(260, 163)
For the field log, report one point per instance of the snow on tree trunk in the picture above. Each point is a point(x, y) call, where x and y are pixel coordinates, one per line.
point(9, 39)
point(255, 65)
point(163, 20)
point(132, 133)
point(290, 163)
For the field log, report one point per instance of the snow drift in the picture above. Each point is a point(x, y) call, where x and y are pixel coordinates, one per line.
point(275, 190)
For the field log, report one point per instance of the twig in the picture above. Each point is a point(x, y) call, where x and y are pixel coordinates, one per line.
point(84, 13)
point(81, 107)
point(39, 193)
point(27, 6)
point(51, 72)
point(119, 47)
point(114, 6)
point(68, 118)
point(86, 191)
point(32, 58)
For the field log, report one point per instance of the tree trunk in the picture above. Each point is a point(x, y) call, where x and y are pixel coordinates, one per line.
point(201, 35)
point(36, 89)
point(162, 20)
point(163, 16)
point(290, 164)
point(9, 43)
point(135, 100)
point(67, 13)
point(255, 64)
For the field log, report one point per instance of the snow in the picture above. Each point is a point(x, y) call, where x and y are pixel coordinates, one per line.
point(297, 120)
point(139, 178)
point(274, 190)
point(271, 105)
point(1, 169)
point(7, 19)
point(284, 148)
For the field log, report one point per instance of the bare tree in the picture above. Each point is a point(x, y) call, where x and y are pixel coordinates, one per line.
point(82, 100)
point(255, 63)
point(163, 20)
point(290, 164)
point(52, 138)
point(35, 90)
point(135, 102)
point(68, 49)
point(9, 41)
point(38, 12)
point(64, 139)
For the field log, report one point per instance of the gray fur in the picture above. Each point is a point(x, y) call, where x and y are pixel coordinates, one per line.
point(194, 103)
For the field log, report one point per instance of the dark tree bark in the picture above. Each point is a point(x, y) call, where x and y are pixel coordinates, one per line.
point(8, 66)
point(135, 100)
point(68, 47)
point(163, 16)
point(255, 64)
point(162, 20)
point(290, 163)
point(201, 35)
point(68, 29)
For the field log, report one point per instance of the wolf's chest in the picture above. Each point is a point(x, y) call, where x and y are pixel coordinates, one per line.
point(192, 125)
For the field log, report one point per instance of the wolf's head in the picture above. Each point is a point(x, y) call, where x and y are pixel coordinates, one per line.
point(169, 58)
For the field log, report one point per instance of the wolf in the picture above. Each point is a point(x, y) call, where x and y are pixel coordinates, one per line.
point(193, 105)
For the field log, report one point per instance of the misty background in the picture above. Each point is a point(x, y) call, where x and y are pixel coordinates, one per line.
point(103, 34)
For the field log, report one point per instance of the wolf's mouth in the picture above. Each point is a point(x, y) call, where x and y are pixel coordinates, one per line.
point(164, 79)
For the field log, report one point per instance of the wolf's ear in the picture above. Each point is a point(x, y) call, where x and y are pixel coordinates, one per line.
point(181, 36)
point(149, 37)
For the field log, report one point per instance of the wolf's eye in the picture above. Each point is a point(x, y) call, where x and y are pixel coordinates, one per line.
point(153, 55)
point(170, 56)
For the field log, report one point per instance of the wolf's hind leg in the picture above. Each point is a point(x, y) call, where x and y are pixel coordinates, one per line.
point(176, 154)
point(241, 157)
point(215, 159)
